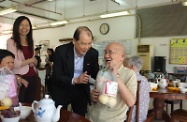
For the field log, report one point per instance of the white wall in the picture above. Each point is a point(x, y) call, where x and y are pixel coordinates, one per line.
point(120, 28)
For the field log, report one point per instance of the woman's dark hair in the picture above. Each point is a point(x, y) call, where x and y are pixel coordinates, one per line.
point(5, 53)
point(79, 30)
point(51, 50)
point(16, 35)
point(37, 48)
point(51, 57)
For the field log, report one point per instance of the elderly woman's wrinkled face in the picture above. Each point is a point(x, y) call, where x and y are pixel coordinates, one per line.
point(113, 55)
point(7, 62)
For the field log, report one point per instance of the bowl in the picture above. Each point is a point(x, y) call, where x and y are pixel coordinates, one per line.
point(25, 111)
point(182, 85)
point(14, 119)
point(183, 90)
point(153, 85)
point(175, 83)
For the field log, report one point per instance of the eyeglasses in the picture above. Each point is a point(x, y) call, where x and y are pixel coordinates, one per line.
point(110, 52)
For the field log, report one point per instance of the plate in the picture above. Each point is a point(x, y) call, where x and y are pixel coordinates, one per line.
point(173, 89)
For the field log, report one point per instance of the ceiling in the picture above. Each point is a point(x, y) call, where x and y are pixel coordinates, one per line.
point(42, 12)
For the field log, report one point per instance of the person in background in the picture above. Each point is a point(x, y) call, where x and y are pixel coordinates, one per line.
point(114, 55)
point(49, 65)
point(135, 63)
point(7, 60)
point(37, 56)
point(21, 44)
point(50, 56)
point(74, 64)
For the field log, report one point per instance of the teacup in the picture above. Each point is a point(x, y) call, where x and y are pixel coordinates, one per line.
point(183, 90)
point(174, 83)
point(183, 85)
point(153, 85)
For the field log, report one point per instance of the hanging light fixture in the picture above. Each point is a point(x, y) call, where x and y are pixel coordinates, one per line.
point(7, 11)
point(59, 23)
point(115, 14)
point(6, 32)
point(184, 3)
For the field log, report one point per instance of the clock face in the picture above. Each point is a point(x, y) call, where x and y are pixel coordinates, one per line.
point(104, 28)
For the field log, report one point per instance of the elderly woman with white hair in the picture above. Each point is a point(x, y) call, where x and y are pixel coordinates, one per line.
point(135, 63)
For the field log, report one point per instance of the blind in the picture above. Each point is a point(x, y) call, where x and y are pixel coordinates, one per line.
point(170, 20)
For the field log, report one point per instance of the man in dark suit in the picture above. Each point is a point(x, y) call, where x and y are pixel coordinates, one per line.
point(74, 64)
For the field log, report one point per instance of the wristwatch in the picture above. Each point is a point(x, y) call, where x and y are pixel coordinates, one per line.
point(117, 75)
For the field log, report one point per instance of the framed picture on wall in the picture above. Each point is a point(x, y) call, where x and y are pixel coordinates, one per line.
point(65, 40)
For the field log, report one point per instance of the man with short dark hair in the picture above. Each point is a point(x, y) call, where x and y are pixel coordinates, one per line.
point(74, 64)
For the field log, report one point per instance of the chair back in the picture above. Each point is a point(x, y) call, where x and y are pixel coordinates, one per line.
point(129, 114)
point(137, 102)
point(130, 111)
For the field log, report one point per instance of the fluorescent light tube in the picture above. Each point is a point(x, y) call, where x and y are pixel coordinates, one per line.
point(6, 11)
point(184, 3)
point(33, 27)
point(42, 25)
point(59, 23)
point(114, 14)
point(6, 32)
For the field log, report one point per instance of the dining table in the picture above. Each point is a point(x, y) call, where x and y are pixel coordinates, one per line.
point(65, 116)
point(159, 96)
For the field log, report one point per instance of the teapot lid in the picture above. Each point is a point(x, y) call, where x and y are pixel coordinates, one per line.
point(47, 99)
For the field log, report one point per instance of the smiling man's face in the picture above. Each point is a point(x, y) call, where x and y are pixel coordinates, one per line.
point(114, 54)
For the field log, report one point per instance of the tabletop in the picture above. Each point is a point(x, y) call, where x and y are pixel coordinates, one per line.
point(65, 116)
point(166, 94)
point(159, 102)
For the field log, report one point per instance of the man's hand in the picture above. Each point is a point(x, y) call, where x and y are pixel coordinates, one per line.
point(82, 79)
point(94, 95)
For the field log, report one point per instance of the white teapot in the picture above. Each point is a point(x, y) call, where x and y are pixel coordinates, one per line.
point(163, 83)
point(46, 110)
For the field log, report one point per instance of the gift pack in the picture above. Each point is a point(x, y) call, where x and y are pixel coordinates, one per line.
point(8, 85)
point(107, 86)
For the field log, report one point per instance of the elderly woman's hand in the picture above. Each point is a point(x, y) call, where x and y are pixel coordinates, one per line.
point(94, 95)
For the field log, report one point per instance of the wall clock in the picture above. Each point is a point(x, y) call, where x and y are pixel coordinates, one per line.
point(104, 28)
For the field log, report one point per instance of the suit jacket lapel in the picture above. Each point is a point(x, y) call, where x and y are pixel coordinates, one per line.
point(85, 68)
point(70, 60)
point(86, 63)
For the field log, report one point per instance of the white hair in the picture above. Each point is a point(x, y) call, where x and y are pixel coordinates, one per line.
point(136, 61)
